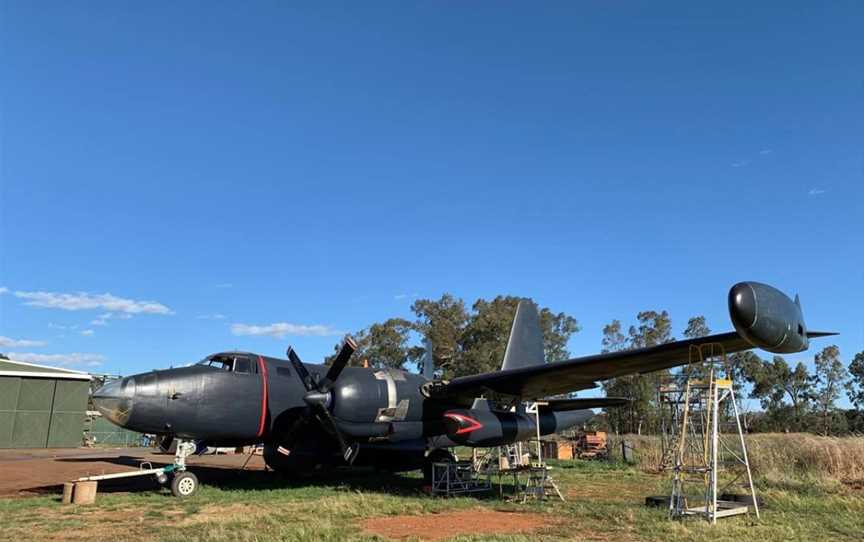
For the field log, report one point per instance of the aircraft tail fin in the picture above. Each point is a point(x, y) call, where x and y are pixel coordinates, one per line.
point(525, 346)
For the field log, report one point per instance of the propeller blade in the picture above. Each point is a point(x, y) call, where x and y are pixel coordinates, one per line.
point(302, 372)
point(318, 398)
point(349, 452)
point(342, 358)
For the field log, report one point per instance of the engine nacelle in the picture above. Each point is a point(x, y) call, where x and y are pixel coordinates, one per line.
point(472, 427)
point(767, 318)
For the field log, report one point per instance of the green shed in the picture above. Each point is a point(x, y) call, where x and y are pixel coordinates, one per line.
point(41, 407)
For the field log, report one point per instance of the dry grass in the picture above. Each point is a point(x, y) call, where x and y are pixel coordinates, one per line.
point(777, 454)
point(605, 503)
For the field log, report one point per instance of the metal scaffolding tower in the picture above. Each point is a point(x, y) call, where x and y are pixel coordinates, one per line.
point(706, 451)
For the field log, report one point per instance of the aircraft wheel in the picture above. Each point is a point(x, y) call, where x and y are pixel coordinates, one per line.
point(184, 484)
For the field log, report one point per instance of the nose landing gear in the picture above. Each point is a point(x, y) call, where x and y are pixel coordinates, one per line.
point(183, 483)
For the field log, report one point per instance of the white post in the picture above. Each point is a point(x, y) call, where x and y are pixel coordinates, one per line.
point(714, 444)
point(539, 445)
point(744, 452)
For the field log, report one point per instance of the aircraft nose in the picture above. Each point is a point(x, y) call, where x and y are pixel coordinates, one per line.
point(115, 400)
point(742, 304)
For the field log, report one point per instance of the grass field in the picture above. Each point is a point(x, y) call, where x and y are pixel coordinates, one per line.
point(605, 502)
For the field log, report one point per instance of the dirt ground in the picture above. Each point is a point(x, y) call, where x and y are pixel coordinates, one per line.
point(449, 524)
point(40, 471)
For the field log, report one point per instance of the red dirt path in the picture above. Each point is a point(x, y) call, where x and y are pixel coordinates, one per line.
point(28, 472)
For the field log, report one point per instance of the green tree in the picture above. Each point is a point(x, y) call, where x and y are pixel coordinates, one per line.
point(613, 339)
point(463, 342)
point(485, 336)
point(696, 327)
point(642, 410)
point(557, 330)
point(620, 418)
point(384, 345)
point(483, 340)
point(773, 381)
point(654, 328)
point(442, 321)
point(828, 380)
point(855, 385)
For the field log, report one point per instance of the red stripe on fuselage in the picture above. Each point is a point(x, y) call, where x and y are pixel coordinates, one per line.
point(265, 385)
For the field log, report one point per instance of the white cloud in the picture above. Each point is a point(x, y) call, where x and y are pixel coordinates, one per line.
point(76, 358)
point(52, 325)
point(213, 316)
point(763, 152)
point(815, 192)
point(741, 163)
point(399, 297)
point(6, 342)
point(102, 319)
point(3, 289)
point(87, 332)
point(280, 330)
point(85, 301)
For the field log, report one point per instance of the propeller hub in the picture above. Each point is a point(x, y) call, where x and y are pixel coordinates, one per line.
point(318, 398)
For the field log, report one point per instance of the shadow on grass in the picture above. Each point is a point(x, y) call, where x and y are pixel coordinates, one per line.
point(233, 479)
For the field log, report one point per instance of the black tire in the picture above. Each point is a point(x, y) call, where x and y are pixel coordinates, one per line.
point(438, 455)
point(184, 484)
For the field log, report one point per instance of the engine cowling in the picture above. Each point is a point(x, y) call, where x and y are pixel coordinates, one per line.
point(767, 318)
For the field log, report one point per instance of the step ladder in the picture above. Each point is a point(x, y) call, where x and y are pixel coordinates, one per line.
point(708, 454)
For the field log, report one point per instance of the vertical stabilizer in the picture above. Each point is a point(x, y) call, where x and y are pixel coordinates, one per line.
point(525, 346)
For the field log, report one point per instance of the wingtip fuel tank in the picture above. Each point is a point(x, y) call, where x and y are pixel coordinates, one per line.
point(767, 318)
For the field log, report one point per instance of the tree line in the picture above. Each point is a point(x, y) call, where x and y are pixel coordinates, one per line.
point(468, 340)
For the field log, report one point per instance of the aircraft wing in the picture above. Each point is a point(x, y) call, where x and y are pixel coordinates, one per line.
point(581, 403)
point(538, 381)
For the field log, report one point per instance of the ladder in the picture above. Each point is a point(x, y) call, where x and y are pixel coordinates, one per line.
point(709, 454)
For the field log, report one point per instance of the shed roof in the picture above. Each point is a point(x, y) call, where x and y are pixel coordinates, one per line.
point(10, 367)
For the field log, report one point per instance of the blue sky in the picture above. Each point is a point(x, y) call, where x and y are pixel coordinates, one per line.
point(214, 166)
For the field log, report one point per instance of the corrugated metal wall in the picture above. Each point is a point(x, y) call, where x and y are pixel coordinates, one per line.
point(104, 432)
point(41, 412)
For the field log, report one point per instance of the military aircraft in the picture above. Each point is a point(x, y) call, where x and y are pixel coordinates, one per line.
point(313, 417)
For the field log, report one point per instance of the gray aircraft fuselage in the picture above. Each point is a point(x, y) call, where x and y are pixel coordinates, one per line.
point(255, 399)
point(312, 416)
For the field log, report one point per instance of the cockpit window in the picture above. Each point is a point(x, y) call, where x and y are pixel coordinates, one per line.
point(237, 364)
point(220, 363)
point(242, 365)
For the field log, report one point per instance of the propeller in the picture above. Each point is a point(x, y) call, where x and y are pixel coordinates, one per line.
point(318, 397)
